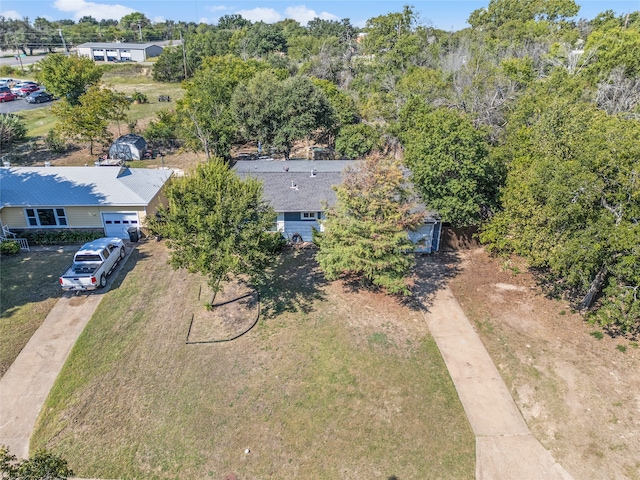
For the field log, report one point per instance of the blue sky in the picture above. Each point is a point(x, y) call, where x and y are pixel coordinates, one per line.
point(447, 15)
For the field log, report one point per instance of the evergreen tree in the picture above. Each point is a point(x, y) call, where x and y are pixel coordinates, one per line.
point(366, 233)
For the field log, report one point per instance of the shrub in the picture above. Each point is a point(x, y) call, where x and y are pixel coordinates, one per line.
point(9, 247)
point(7, 71)
point(12, 129)
point(62, 236)
point(139, 97)
point(54, 142)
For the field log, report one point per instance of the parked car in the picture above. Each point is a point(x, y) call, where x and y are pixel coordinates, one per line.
point(92, 263)
point(18, 86)
point(27, 89)
point(4, 88)
point(38, 97)
point(7, 97)
point(7, 81)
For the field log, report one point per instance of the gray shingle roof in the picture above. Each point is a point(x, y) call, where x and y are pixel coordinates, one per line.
point(79, 186)
point(308, 195)
point(297, 166)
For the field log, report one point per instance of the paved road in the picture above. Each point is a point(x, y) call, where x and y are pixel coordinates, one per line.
point(28, 60)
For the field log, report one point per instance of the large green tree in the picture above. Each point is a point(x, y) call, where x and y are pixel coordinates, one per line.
point(366, 232)
point(68, 76)
point(572, 203)
point(280, 112)
point(207, 120)
point(89, 118)
point(450, 163)
point(217, 224)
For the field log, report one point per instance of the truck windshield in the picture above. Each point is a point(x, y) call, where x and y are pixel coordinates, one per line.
point(88, 258)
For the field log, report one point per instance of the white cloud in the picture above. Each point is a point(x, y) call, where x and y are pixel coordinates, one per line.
point(204, 20)
point(266, 15)
point(218, 8)
point(158, 19)
point(11, 14)
point(302, 14)
point(99, 11)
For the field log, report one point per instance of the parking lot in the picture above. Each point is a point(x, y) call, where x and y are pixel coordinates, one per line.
point(20, 104)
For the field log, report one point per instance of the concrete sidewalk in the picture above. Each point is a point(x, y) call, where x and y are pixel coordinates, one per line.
point(505, 448)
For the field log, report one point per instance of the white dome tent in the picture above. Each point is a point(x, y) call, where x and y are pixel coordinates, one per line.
point(128, 147)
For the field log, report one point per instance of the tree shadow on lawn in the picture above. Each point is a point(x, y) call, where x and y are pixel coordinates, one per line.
point(294, 284)
point(31, 277)
point(430, 274)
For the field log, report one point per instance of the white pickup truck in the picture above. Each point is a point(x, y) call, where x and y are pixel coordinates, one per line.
point(92, 263)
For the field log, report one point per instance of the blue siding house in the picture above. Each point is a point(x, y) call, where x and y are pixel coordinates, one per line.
point(299, 189)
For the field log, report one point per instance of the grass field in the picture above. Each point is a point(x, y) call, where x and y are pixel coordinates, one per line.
point(331, 383)
point(30, 289)
point(39, 121)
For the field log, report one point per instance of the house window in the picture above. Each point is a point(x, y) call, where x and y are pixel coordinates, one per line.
point(308, 215)
point(46, 217)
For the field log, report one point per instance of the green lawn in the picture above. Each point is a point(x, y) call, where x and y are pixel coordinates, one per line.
point(329, 384)
point(30, 289)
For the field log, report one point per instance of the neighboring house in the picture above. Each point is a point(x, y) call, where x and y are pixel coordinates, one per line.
point(298, 190)
point(127, 52)
point(112, 199)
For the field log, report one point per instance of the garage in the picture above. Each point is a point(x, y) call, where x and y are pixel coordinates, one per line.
point(117, 224)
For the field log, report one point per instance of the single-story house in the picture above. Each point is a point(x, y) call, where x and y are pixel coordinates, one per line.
point(128, 147)
point(112, 199)
point(299, 189)
point(123, 52)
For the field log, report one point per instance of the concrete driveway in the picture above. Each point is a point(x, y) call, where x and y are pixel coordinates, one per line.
point(26, 384)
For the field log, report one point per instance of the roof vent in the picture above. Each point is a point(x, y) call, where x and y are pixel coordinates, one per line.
point(313, 172)
point(124, 171)
point(285, 169)
point(294, 185)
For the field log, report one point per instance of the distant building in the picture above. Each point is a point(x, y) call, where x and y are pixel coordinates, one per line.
point(121, 52)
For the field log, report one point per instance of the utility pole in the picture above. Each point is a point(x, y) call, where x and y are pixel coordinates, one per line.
point(140, 31)
point(184, 56)
point(18, 57)
point(64, 45)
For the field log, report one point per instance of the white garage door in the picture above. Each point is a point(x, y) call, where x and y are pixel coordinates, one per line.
point(117, 224)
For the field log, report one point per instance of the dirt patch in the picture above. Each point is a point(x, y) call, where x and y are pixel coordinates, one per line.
point(234, 312)
point(580, 395)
